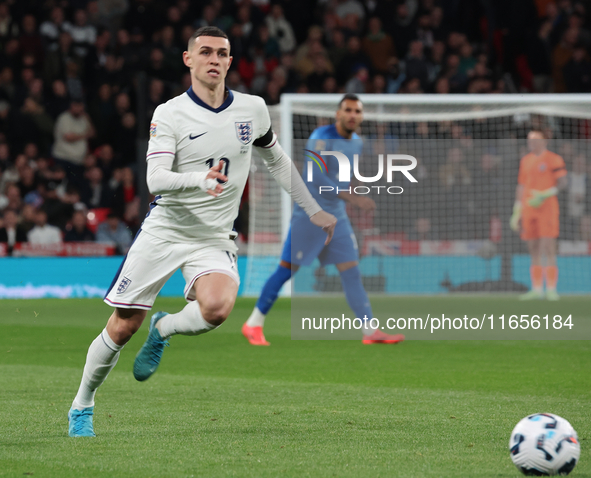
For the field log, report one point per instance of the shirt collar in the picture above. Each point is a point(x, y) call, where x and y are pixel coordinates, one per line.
point(200, 102)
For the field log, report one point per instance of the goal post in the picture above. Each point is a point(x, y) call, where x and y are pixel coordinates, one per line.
point(449, 232)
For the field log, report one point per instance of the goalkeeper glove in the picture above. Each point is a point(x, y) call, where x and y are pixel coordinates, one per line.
point(514, 222)
point(538, 197)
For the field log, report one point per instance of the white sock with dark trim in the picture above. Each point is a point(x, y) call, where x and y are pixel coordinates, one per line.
point(188, 321)
point(102, 356)
point(256, 319)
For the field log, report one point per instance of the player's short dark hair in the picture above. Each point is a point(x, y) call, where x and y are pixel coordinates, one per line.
point(349, 96)
point(541, 131)
point(208, 31)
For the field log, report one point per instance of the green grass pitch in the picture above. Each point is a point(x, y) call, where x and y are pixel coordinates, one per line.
point(220, 407)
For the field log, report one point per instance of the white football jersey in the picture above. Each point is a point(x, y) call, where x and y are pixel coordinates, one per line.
point(198, 137)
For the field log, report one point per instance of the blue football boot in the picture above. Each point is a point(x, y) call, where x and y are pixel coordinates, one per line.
point(149, 356)
point(80, 422)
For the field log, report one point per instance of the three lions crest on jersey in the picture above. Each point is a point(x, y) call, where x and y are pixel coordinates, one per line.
point(244, 131)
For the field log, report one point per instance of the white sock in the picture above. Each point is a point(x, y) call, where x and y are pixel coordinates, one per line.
point(102, 356)
point(367, 329)
point(188, 321)
point(256, 319)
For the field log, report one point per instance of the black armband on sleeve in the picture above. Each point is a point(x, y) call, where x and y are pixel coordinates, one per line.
point(265, 139)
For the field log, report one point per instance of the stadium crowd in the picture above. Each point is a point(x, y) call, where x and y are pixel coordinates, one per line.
point(68, 84)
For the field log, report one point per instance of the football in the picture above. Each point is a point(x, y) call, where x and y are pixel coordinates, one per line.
point(544, 444)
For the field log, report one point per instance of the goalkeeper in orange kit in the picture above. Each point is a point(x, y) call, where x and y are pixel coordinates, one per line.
point(542, 174)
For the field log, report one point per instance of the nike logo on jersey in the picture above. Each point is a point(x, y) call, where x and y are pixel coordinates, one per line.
point(197, 136)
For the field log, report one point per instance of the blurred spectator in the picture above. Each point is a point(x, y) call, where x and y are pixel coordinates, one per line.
point(352, 61)
point(28, 217)
point(83, 34)
point(102, 112)
point(307, 51)
point(77, 230)
point(5, 161)
point(394, 77)
point(8, 26)
point(114, 231)
point(577, 72)
point(41, 121)
point(125, 137)
point(421, 230)
point(50, 29)
point(105, 159)
point(30, 42)
point(577, 188)
point(454, 172)
point(95, 192)
point(322, 70)
point(58, 101)
point(378, 45)
point(358, 84)
point(539, 60)
point(467, 59)
point(269, 45)
point(280, 29)
point(12, 232)
point(73, 128)
point(561, 55)
point(27, 180)
point(12, 198)
point(349, 7)
point(110, 12)
point(402, 30)
point(416, 65)
point(173, 59)
point(44, 233)
point(58, 212)
point(338, 49)
point(56, 61)
point(234, 82)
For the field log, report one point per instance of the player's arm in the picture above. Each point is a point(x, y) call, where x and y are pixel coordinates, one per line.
point(285, 173)
point(160, 157)
point(516, 216)
point(538, 197)
point(161, 179)
point(517, 205)
point(559, 171)
point(332, 188)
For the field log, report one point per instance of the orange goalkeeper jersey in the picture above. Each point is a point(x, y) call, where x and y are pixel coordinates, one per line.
point(540, 173)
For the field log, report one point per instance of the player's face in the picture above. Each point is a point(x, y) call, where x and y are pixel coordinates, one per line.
point(350, 115)
point(209, 60)
point(536, 142)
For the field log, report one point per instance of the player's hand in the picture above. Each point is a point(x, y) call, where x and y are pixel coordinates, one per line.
point(364, 203)
point(214, 175)
point(538, 197)
point(515, 223)
point(515, 220)
point(326, 221)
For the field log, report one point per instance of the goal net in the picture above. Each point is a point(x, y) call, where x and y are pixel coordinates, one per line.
point(449, 231)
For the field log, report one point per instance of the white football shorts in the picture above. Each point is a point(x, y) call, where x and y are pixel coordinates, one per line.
point(151, 261)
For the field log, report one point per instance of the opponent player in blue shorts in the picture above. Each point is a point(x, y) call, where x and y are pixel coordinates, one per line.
point(304, 243)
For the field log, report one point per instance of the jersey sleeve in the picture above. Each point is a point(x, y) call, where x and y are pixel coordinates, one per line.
point(263, 131)
point(558, 167)
point(162, 135)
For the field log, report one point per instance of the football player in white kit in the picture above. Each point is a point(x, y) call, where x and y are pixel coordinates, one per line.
point(198, 162)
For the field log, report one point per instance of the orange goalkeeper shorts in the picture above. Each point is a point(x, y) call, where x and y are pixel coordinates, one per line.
point(534, 226)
